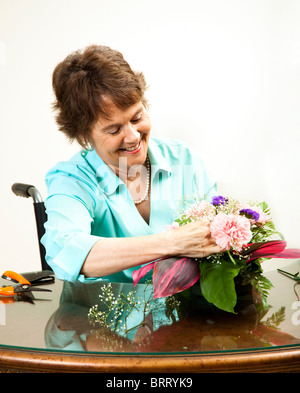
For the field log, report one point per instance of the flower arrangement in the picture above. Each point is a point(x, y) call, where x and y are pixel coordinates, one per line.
point(245, 234)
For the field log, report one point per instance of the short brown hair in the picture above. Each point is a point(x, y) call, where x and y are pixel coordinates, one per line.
point(83, 80)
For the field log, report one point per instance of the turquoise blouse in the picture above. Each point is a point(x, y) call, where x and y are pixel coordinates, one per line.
point(87, 201)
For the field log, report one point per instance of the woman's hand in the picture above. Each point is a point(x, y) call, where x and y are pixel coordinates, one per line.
point(193, 240)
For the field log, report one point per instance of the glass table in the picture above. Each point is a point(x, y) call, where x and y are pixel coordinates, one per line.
point(115, 328)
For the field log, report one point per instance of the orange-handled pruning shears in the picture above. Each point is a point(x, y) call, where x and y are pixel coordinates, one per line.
point(15, 277)
point(22, 287)
point(30, 278)
point(10, 290)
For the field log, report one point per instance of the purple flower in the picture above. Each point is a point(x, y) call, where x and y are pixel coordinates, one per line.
point(251, 214)
point(219, 200)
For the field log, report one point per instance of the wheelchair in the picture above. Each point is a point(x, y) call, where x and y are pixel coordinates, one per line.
point(26, 191)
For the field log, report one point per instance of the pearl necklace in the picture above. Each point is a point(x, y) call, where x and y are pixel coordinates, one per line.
point(148, 184)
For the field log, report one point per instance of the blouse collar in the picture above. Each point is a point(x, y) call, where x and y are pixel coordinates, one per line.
point(108, 181)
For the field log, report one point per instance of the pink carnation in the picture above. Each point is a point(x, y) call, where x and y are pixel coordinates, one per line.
point(231, 231)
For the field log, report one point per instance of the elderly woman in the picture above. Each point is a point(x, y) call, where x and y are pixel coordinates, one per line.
point(109, 205)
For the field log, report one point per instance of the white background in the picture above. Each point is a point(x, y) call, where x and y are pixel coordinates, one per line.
point(222, 75)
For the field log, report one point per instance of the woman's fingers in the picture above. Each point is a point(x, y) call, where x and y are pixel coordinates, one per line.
point(196, 240)
point(209, 250)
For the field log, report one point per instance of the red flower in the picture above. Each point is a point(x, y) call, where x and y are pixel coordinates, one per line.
point(170, 276)
point(270, 249)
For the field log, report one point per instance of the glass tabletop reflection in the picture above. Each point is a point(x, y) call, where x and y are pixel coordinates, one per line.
point(119, 318)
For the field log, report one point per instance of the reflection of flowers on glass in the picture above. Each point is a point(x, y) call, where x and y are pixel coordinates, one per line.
point(116, 308)
point(245, 234)
point(118, 319)
point(205, 330)
point(115, 312)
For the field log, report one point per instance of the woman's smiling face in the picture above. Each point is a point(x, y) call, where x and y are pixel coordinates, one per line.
point(124, 136)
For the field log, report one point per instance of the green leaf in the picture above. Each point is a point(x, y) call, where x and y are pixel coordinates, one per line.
point(217, 283)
